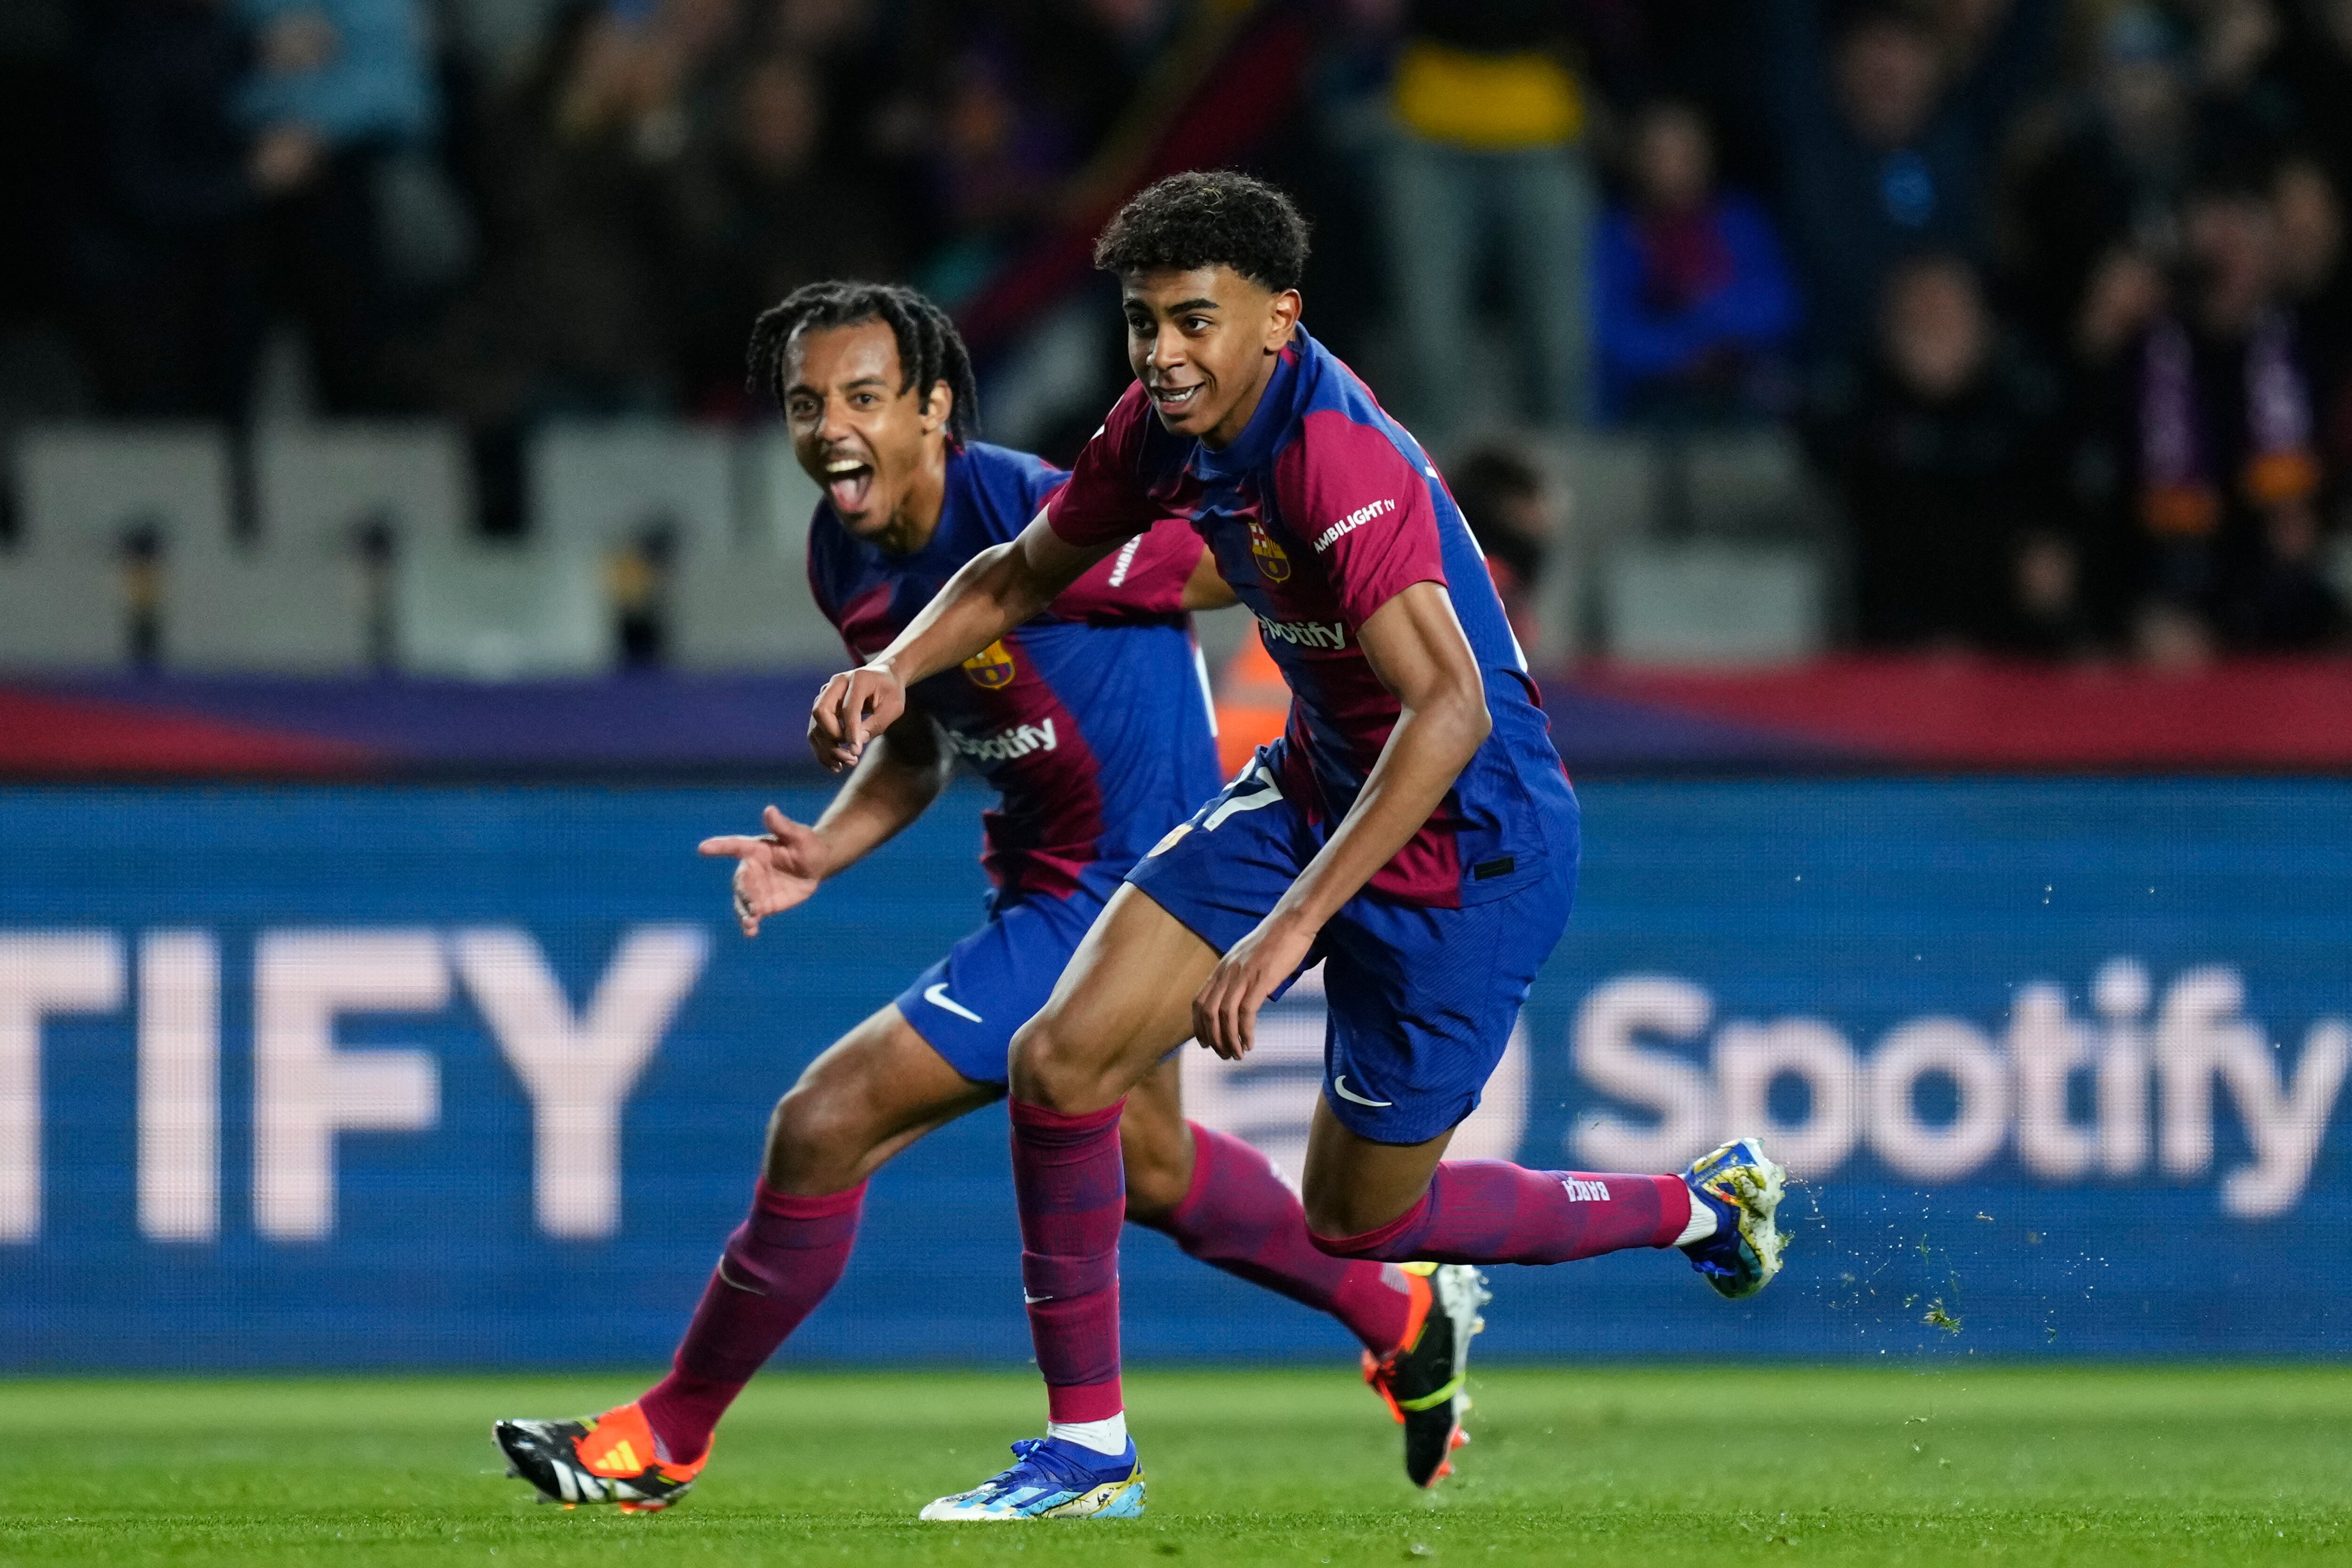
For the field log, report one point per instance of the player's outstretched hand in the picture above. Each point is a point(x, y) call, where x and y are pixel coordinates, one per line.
point(854, 707)
point(1225, 1014)
point(772, 872)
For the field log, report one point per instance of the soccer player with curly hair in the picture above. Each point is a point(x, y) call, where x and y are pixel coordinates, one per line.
point(1413, 829)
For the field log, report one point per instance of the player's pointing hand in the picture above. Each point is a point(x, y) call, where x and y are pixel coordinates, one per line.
point(773, 872)
point(854, 707)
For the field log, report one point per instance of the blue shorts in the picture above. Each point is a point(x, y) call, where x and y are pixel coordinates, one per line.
point(1421, 1001)
point(969, 1004)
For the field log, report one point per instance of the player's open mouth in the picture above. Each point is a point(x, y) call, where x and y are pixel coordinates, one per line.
point(1175, 398)
point(848, 481)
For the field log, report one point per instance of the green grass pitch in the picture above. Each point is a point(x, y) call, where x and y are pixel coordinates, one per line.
point(1649, 1468)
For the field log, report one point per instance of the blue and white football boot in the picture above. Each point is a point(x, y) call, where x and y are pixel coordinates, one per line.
point(1743, 1186)
point(1052, 1479)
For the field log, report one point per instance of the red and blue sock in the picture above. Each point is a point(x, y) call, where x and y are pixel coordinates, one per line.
point(1071, 1185)
point(1240, 1217)
point(779, 1263)
point(1489, 1211)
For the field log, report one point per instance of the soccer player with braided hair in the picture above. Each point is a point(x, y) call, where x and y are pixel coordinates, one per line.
point(1092, 719)
point(1413, 829)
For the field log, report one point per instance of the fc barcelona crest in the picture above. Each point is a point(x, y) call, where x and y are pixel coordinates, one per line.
point(992, 667)
point(1272, 563)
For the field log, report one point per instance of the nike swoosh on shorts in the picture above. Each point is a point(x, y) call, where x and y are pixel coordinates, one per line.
point(1352, 1098)
point(937, 995)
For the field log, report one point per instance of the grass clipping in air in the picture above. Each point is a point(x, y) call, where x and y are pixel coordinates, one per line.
point(1654, 1469)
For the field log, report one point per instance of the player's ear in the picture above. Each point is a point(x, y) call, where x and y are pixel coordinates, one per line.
point(1282, 319)
point(938, 404)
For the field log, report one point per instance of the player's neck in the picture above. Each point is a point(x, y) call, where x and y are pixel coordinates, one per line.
point(917, 516)
point(1229, 429)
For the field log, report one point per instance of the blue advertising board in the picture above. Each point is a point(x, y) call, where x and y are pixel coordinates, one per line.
point(408, 1075)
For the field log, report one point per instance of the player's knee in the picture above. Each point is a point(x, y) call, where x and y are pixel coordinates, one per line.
point(1047, 1068)
point(1338, 1223)
point(1159, 1171)
point(815, 1139)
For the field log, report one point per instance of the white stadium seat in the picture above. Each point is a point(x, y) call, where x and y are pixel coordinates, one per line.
point(596, 486)
point(62, 612)
point(501, 613)
point(290, 613)
point(316, 486)
point(1611, 483)
point(1713, 602)
point(1751, 483)
point(86, 487)
point(746, 609)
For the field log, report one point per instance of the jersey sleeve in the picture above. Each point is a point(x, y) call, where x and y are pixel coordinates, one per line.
point(1363, 509)
point(1107, 499)
point(1145, 576)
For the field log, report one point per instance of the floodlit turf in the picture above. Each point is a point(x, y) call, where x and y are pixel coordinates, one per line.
point(1648, 1468)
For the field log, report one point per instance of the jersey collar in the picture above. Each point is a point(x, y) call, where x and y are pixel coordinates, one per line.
point(1266, 424)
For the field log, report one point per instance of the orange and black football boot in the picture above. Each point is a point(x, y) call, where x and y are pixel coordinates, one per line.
point(600, 1458)
point(1422, 1381)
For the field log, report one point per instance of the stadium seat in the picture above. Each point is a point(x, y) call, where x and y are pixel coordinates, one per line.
point(1712, 601)
point(318, 488)
point(612, 483)
point(62, 612)
point(1749, 484)
point(746, 609)
point(500, 614)
point(287, 613)
point(86, 489)
point(1611, 482)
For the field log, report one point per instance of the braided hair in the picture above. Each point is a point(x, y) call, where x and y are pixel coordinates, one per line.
point(929, 348)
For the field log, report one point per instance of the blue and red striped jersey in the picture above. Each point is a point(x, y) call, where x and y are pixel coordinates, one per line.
point(1318, 513)
point(1092, 722)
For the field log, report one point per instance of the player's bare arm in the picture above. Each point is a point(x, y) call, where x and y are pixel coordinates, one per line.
point(1416, 646)
point(994, 592)
point(1205, 589)
point(894, 783)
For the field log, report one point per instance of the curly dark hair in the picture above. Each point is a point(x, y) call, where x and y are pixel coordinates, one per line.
point(929, 348)
point(1200, 219)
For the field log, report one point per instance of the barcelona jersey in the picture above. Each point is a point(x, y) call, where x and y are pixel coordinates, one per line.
point(1091, 722)
point(1318, 513)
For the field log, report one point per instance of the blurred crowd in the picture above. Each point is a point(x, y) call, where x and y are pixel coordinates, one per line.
point(2054, 291)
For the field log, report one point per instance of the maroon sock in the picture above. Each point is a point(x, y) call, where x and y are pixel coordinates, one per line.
point(1071, 1190)
point(1239, 1217)
point(1487, 1211)
point(779, 1264)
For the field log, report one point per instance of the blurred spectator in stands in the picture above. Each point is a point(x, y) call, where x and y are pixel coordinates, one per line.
point(338, 88)
point(572, 311)
point(759, 215)
point(1488, 152)
point(164, 250)
point(2221, 446)
point(2314, 64)
point(1693, 302)
point(1948, 463)
point(2313, 274)
point(2100, 175)
point(998, 156)
point(1503, 498)
point(2246, 108)
point(1886, 142)
point(41, 101)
